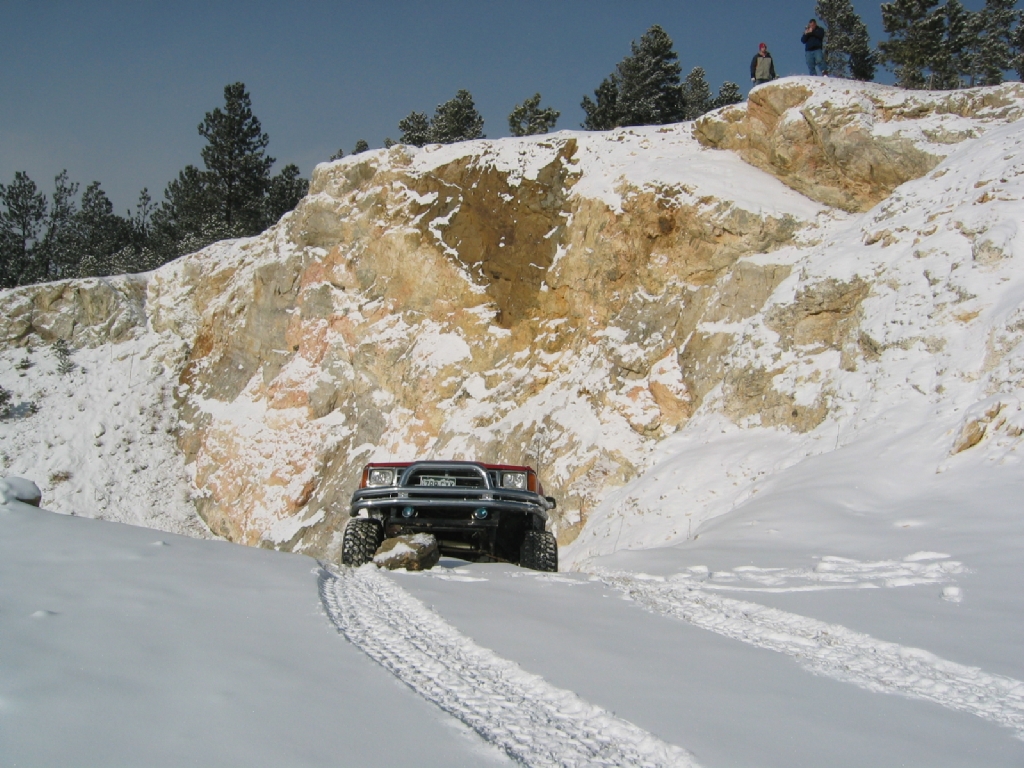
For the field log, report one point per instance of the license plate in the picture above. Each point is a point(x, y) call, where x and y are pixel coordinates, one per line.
point(438, 482)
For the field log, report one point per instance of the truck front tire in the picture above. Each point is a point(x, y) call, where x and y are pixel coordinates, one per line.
point(360, 541)
point(539, 551)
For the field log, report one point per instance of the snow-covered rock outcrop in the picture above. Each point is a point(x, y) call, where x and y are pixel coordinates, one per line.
point(574, 299)
point(850, 146)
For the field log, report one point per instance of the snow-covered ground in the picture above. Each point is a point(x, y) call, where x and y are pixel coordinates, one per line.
point(125, 646)
point(99, 436)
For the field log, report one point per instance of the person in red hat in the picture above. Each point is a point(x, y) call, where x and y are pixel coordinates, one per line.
point(762, 68)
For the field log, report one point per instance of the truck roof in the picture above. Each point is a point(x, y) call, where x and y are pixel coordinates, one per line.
point(404, 464)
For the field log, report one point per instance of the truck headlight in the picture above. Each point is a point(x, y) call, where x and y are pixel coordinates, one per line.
point(379, 477)
point(515, 480)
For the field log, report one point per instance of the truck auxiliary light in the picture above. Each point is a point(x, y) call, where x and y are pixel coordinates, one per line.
point(480, 514)
point(408, 512)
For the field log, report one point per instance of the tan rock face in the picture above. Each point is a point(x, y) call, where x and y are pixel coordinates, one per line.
point(505, 236)
point(850, 146)
point(460, 312)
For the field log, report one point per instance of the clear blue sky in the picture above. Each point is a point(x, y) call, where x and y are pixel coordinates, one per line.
point(113, 91)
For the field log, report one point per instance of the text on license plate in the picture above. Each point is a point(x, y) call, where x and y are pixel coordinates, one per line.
point(438, 482)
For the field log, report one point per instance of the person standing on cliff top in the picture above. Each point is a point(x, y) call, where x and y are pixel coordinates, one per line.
point(814, 41)
point(762, 68)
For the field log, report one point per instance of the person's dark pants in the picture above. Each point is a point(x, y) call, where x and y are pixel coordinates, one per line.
point(815, 62)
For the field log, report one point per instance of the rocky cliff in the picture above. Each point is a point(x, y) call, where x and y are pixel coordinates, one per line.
point(567, 301)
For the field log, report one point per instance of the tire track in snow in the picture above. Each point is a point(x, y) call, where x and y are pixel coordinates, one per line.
point(534, 722)
point(834, 651)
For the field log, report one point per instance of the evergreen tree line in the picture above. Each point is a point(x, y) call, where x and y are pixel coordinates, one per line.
point(930, 45)
point(945, 46)
point(61, 235)
point(645, 89)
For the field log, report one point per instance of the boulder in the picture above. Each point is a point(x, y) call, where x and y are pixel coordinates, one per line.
point(417, 552)
point(86, 313)
point(19, 489)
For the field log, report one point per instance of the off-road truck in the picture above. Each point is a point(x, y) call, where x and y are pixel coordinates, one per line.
point(476, 511)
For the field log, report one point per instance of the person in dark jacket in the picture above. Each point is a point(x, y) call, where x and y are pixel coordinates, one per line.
point(762, 68)
point(814, 41)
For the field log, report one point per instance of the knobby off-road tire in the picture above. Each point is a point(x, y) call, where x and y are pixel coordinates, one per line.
point(361, 539)
point(539, 551)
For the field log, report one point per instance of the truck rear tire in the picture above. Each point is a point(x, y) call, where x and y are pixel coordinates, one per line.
point(539, 551)
point(360, 542)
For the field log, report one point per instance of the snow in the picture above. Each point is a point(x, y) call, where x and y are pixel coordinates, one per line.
point(104, 442)
point(847, 596)
point(124, 646)
point(532, 721)
point(435, 349)
point(728, 702)
point(663, 158)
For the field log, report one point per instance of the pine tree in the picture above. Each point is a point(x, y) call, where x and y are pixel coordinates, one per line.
point(528, 119)
point(728, 94)
point(955, 58)
point(5, 403)
point(188, 218)
point(643, 90)
point(21, 224)
point(993, 37)
point(828, 13)
point(10, 260)
point(238, 168)
point(415, 128)
point(287, 188)
point(948, 46)
point(603, 113)
point(1017, 62)
point(649, 88)
point(235, 196)
point(916, 30)
point(138, 255)
point(62, 352)
point(863, 59)
point(55, 239)
point(99, 233)
point(94, 265)
point(361, 146)
point(141, 220)
point(456, 120)
point(696, 94)
point(337, 155)
point(57, 253)
point(848, 50)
